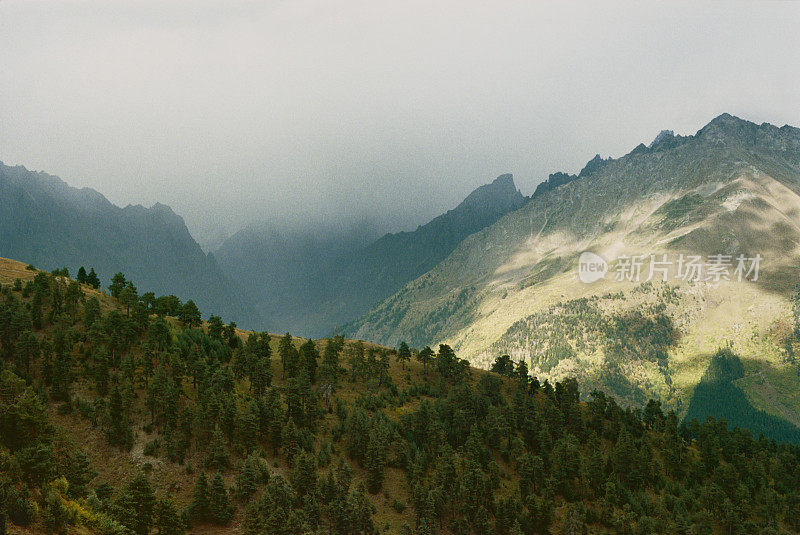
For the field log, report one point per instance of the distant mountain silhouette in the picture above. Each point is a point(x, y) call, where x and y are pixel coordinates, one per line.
point(45, 222)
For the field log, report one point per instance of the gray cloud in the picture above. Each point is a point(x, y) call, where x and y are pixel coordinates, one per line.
point(309, 111)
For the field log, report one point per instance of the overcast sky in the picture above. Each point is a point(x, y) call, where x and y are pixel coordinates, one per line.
point(234, 112)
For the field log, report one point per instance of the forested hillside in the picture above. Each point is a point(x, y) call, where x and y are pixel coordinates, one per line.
point(119, 417)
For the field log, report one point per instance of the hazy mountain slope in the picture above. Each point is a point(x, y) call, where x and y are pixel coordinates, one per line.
point(286, 271)
point(732, 188)
point(49, 224)
point(309, 285)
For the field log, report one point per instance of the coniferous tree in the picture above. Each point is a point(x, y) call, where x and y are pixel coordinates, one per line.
point(166, 520)
point(118, 430)
point(375, 456)
point(62, 370)
point(134, 505)
point(503, 365)
point(72, 298)
point(361, 511)
point(190, 314)
point(92, 279)
point(81, 278)
point(254, 472)
point(329, 369)
point(218, 502)
point(261, 376)
point(248, 427)
point(304, 474)
point(358, 364)
point(91, 312)
point(308, 359)
point(426, 357)
point(128, 297)
point(215, 327)
point(382, 366)
point(118, 284)
point(271, 418)
point(217, 452)
point(403, 354)
point(199, 511)
point(79, 474)
point(287, 355)
point(229, 334)
point(27, 350)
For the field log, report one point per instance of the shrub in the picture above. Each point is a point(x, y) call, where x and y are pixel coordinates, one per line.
point(151, 448)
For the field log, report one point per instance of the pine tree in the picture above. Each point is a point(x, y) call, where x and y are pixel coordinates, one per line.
point(215, 327)
point(118, 283)
point(271, 419)
point(425, 357)
point(446, 361)
point(62, 371)
point(252, 523)
point(286, 352)
point(72, 298)
point(27, 350)
point(361, 511)
point(134, 505)
point(261, 376)
point(403, 354)
point(221, 509)
point(375, 457)
point(503, 365)
point(189, 314)
point(358, 364)
point(217, 452)
point(248, 428)
point(78, 474)
point(128, 297)
point(304, 474)
point(199, 510)
point(118, 430)
point(81, 275)
point(167, 521)
point(92, 279)
point(91, 312)
point(253, 473)
point(329, 370)
point(308, 359)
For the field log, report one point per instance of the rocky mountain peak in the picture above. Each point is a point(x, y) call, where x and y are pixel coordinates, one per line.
point(501, 191)
point(593, 165)
point(505, 180)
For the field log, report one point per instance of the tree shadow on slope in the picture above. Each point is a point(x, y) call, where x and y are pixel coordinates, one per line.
point(718, 396)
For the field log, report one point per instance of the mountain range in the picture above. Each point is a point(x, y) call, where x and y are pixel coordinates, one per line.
point(512, 288)
point(498, 274)
point(304, 281)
